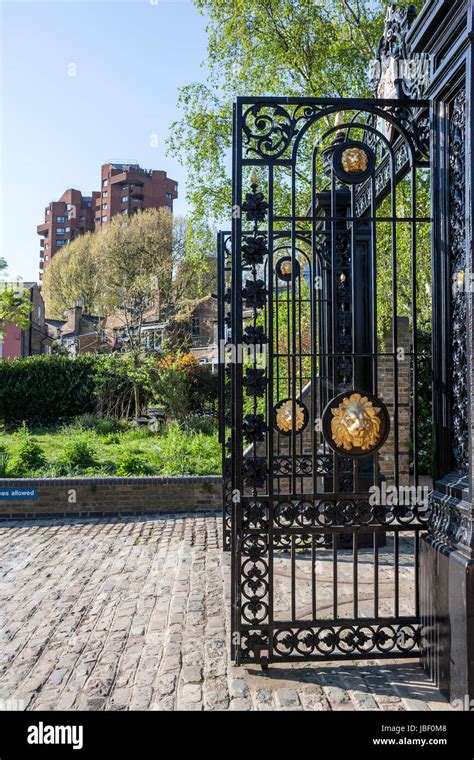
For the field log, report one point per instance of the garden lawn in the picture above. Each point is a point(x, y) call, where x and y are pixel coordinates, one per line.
point(105, 451)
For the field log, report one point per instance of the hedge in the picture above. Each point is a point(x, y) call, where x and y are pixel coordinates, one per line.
point(45, 389)
point(55, 388)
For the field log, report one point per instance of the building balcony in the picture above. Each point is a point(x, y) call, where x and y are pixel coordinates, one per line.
point(43, 229)
point(137, 192)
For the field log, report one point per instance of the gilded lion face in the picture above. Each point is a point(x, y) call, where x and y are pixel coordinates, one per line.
point(284, 417)
point(354, 160)
point(356, 423)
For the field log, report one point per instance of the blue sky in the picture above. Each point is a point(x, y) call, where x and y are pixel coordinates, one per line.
point(130, 58)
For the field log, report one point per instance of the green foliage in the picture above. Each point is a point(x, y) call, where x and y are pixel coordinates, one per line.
point(192, 449)
point(181, 453)
point(404, 257)
point(90, 421)
point(15, 307)
point(130, 463)
point(184, 387)
point(28, 456)
point(15, 304)
point(198, 424)
point(79, 454)
point(110, 439)
point(266, 47)
point(50, 389)
point(123, 388)
point(4, 461)
point(45, 389)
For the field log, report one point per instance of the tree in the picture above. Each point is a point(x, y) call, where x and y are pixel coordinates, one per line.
point(136, 273)
point(137, 269)
point(281, 48)
point(15, 306)
point(73, 277)
point(267, 47)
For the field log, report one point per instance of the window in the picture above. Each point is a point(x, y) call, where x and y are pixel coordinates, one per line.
point(195, 327)
point(153, 340)
point(170, 208)
point(104, 194)
point(88, 204)
point(48, 211)
point(68, 229)
point(176, 187)
point(60, 230)
point(47, 246)
point(82, 218)
point(60, 219)
point(105, 182)
point(104, 206)
point(124, 198)
point(104, 218)
point(59, 243)
point(124, 186)
point(169, 196)
point(124, 211)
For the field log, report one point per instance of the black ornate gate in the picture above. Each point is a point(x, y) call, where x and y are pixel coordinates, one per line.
point(319, 371)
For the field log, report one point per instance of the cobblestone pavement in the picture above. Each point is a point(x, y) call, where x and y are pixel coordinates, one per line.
point(131, 613)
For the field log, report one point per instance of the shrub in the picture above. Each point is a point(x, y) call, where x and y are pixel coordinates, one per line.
point(130, 463)
point(48, 389)
point(4, 461)
point(110, 439)
point(44, 389)
point(78, 454)
point(184, 386)
point(29, 456)
point(89, 421)
point(140, 434)
point(116, 379)
point(185, 453)
point(204, 425)
point(86, 421)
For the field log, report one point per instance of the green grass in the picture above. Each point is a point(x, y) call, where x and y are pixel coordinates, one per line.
point(107, 450)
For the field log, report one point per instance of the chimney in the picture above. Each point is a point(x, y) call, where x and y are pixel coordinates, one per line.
point(74, 317)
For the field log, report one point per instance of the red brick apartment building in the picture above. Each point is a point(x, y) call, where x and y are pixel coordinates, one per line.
point(125, 189)
point(71, 215)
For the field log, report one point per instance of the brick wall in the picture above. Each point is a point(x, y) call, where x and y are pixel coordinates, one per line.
point(386, 375)
point(102, 496)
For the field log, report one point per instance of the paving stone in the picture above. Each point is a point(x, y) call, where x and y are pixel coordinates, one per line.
point(287, 698)
point(133, 614)
point(238, 688)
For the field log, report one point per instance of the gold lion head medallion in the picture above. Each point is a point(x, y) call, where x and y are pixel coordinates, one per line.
point(356, 423)
point(284, 417)
point(354, 160)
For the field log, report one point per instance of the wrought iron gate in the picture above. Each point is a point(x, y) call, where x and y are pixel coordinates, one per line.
point(319, 370)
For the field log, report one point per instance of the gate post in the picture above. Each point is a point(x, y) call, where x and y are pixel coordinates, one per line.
point(447, 551)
